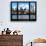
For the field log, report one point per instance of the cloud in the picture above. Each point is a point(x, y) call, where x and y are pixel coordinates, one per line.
point(14, 7)
point(24, 6)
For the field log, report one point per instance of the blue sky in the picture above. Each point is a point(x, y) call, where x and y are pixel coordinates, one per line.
point(14, 5)
point(24, 5)
point(32, 4)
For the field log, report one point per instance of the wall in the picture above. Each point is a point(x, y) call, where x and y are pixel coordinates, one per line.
point(30, 30)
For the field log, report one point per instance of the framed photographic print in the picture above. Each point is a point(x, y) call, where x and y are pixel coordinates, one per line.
point(23, 11)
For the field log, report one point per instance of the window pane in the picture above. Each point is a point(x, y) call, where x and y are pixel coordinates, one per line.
point(32, 8)
point(23, 16)
point(23, 8)
point(14, 8)
point(14, 16)
point(32, 17)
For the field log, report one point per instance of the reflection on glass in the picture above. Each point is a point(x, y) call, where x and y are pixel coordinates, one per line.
point(14, 8)
point(14, 16)
point(32, 16)
point(23, 8)
point(32, 8)
point(23, 16)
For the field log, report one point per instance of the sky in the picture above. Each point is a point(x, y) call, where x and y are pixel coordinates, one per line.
point(23, 5)
point(33, 4)
point(14, 5)
point(33, 7)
